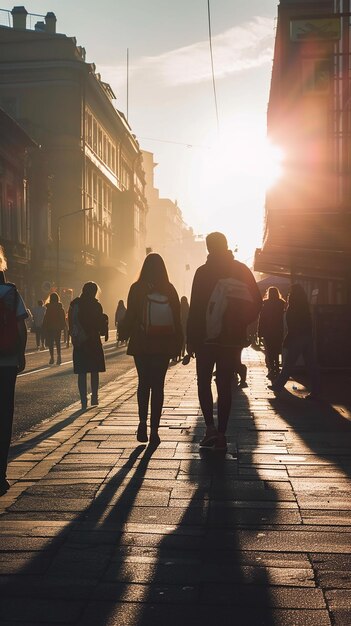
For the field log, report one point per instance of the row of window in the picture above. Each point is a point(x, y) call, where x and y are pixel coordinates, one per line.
point(13, 220)
point(100, 142)
point(98, 221)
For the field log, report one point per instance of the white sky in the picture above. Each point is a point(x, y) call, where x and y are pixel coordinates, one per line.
point(219, 184)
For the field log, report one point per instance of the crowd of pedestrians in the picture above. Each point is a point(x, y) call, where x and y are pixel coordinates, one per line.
point(158, 329)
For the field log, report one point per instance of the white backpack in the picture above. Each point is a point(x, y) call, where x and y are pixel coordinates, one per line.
point(225, 308)
point(158, 315)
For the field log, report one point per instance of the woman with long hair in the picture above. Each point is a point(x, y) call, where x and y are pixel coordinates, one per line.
point(271, 329)
point(152, 325)
point(119, 317)
point(86, 323)
point(54, 323)
point(298, 341)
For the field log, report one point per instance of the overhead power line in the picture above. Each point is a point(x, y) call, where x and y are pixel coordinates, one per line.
point(212, 65)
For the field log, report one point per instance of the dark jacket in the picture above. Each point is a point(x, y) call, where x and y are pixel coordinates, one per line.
point(88, 357)
point(131, 326)
point(54, 319)
point(299, 323)
point(271, 320)
point(206, 277)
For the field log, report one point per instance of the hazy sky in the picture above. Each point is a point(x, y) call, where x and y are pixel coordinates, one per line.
point(219, 182)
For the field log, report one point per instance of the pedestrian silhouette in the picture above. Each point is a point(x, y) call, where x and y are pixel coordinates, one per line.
point(224, 300)
point(38, 318)
point(298, 342)
point(13, 338)
point(152, 325)
point(87, 323)
point(271, 329)
point(119, 317)
point(54, 323)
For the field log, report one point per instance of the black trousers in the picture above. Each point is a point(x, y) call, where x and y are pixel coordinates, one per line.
point(227, 361)
point(8, 375)
point(152, 369)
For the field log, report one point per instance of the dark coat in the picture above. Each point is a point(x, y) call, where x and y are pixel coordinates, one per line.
point(299, 323)
point(54, 319)
point(206, 277)
point(271, 320)
point(132, 325)
point(89, 357)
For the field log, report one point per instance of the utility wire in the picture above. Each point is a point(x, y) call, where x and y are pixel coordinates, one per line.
point(177, 143)
point(212, 66)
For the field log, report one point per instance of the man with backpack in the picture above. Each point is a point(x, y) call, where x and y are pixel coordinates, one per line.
point(13, 338)
point(224, 300)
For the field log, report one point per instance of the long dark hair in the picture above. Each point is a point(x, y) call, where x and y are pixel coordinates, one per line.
point(273, 293)
point(153, 272)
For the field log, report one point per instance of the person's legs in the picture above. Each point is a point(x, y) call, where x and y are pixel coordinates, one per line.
point(94, 383)
point(226, 364)
point(50, 344)
point(311, 366)
point(42, 338)
point(143, 394)
point(58, 346)
point(7, 394)
point(82, 386)
point(37, 336)
point(293, 352)
point(205, 360)
point(158, 370)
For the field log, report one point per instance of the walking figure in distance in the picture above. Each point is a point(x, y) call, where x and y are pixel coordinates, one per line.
point(298, 342)
point(13, 338)
point(54, 323)
point(184, 314)
point(152, 325)
point(224, 300)
point(87, 322)
point(38, 318)
point(119, 317)
point(271, 329)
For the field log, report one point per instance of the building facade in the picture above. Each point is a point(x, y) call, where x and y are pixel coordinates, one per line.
point(16, 218)
point(94, 181)
point(169, 235)
point(308, 212)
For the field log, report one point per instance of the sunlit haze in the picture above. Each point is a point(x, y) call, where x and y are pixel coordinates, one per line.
point(218, 181)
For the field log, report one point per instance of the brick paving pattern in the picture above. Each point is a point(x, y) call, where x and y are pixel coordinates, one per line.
point(98, 530)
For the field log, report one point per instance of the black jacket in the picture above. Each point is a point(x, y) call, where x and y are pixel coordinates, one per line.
point(206, 277)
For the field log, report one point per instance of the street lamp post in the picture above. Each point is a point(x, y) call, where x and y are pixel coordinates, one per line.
point(58, 237)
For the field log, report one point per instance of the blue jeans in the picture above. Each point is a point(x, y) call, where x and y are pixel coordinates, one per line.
point(300, 346)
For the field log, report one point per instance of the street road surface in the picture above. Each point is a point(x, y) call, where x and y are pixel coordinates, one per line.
point(43, 390)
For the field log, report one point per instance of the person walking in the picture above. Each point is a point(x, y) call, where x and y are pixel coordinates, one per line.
point(13, 338)
point(298, 342)
point(119, 317)
point(87, 322)
point(152, 325)
point(224, 300)
point(54, 323)
point(38, 318)
point(271, 329)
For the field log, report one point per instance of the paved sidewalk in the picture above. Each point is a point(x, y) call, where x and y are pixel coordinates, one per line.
point(99, 531)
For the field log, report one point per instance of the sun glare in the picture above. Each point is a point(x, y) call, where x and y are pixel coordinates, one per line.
point(233, 176)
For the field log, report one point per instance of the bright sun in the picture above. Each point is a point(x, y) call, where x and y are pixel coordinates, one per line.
point(234, 174)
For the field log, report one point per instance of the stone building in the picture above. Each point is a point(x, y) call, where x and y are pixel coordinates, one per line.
point(16, 210)
point(91, 162)
point(308, 213)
